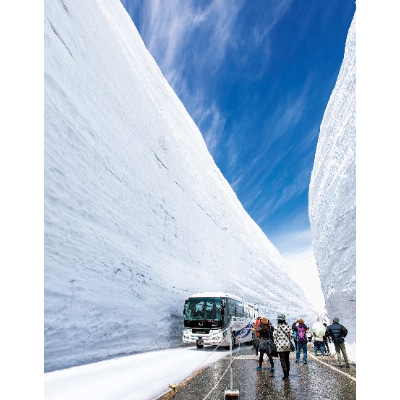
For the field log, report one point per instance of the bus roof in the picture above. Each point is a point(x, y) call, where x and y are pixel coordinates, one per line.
point(215, 294)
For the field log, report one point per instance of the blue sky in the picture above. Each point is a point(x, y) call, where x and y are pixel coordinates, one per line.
point(256, 77)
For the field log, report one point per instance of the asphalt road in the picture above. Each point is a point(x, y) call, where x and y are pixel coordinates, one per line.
point(320, 379)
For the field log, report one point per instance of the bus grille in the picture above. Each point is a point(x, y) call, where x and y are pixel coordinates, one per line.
point(196, 330)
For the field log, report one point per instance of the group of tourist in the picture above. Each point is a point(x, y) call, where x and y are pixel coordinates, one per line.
point(276, 341)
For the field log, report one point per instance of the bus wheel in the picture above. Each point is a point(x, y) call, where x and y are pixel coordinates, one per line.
point(199, 346)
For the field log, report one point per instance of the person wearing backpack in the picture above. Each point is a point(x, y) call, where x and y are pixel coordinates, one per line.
point(301, 329)
point(338, 332)
point(265, 335)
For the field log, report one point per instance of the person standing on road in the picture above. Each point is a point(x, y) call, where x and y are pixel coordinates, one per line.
point(265, 334)
point(294, 329)
point(256, 341)
point(338, 332)
point(326, 340)
point(301, 331)
point(282, 335)
point(309, 335)
point(318, 331)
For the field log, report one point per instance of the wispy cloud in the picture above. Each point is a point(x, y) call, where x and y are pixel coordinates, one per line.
point(294, 241)
point(272, 168)
point(211, 119)
point(193, 42)
point(190, 41)
point(177, 30)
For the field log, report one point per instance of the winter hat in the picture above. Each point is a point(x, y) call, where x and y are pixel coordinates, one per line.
point(264, 321)
point(281, 317)
point(300, 321)
point(335, 320)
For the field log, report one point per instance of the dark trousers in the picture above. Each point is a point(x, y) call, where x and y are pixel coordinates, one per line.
point(260, 360)
point(326, 346)
point(285, 363)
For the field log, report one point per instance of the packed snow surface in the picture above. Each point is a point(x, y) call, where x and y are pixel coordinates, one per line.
point(332, 195)
point(137, 216)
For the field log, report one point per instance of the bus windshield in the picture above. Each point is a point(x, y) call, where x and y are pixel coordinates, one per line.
point(203, 308)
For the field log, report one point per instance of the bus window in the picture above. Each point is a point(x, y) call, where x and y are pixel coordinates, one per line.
point(198, 309)
point(231, 308)
point(204, 308)
point(239, 310)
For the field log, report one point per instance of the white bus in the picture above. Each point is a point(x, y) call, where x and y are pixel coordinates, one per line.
point(208, 316)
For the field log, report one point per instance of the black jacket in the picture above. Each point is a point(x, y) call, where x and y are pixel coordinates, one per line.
point(337, 332)
point(265, 332)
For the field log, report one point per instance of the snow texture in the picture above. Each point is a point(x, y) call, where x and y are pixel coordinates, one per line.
point(332, 195)
point(137, 216)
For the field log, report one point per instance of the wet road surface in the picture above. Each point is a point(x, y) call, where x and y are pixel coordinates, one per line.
point(320, 379)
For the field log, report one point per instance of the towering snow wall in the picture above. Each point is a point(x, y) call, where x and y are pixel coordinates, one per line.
point(137, 215)
point(332, 195)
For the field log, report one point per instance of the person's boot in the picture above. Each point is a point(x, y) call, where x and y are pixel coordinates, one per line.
point(285, 375)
